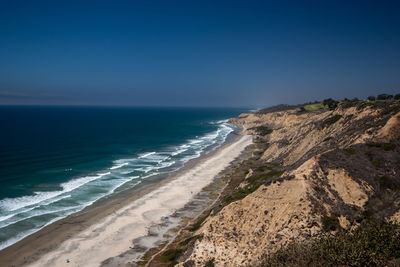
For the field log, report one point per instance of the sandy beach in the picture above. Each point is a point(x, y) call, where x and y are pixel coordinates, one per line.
point(110, 235)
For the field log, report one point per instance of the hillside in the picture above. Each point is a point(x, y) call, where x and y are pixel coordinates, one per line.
point(309, 173)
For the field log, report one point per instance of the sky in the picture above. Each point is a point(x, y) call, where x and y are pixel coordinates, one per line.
point(196, 53)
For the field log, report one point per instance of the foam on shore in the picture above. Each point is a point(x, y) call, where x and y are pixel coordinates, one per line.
point(113, 235)
point(24, 215)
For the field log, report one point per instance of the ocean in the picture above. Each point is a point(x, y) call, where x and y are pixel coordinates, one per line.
point(55, 161)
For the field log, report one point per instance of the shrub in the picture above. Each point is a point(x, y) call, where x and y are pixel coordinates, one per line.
point(210, 263)
point(281, 107)
point(376, 163)
point(387, 183)
point(253, 183)
point(171, 255)
point(190, 239)
point(267, 166)
point(388, 146)
point(371, 98)
point(355, 102)
point(332, 120)
point(198, 223)
point(312, 107)
point(368, 245)
point(332, 104)
point(369, 155)
point(384, 146)
point(397, 96)
point(385, 97)
point(389, 109)
point(318, 189)
point(261, 130)
point(350, 151)
point(330, 223)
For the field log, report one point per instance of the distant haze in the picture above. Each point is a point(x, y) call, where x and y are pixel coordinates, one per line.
point(196, 53)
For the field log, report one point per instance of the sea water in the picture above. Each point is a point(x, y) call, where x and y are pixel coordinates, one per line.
point(55, 161)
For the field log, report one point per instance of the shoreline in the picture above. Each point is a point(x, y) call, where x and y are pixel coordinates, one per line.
point(221, 186)
point(53, 237)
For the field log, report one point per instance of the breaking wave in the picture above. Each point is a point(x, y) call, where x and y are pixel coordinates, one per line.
point(25, 215)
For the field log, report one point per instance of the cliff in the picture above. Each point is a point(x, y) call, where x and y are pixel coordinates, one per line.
point(310, 172)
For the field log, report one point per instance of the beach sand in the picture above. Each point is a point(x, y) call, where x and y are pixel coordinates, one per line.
point(111, 233)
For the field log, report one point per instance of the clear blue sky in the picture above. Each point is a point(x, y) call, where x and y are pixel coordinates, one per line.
point(196, 53)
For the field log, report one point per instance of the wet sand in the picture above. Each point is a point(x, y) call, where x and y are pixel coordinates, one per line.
point(106, 231)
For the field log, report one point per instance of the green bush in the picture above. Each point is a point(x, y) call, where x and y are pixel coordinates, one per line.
point(368, 245)
point(312, 107)
point(190, 239)
point(369, 155)
point(198, 223)
point(384, 146)
point(253, 183)
point(330, 223)
point(385, 97)
point(268, 166)
point(332, 120)
point(332, 104)
point(261, 130)
point(388, 147)
point(171, 255)
point(376, 163)
point(350, 151)
point(318, 189)
point(387, 183)
point(210, 263)
point(302, 109)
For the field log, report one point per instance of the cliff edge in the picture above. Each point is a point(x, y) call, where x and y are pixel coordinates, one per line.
point(331, 170)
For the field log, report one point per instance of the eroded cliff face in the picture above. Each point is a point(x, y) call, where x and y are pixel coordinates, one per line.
point(340, 167)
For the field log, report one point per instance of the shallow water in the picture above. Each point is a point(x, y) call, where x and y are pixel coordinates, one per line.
point(55, 161)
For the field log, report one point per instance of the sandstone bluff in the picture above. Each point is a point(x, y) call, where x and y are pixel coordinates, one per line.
point(308, 172)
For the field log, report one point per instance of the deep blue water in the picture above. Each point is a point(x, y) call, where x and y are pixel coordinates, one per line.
point(57, 160)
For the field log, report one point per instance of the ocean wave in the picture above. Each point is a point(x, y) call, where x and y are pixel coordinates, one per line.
point(79, 193)
point(146, 169)
point(166, 164)
point(12, 204)
point(5, 220)
point(23, 234)
point(157, 157)
point(128, 171)
point(218, 122)
point(194, 141)
point(32, 214)
point(153, 174)
point(146, 155)
point(47, 208)
point(119, 166)
point(179, 151)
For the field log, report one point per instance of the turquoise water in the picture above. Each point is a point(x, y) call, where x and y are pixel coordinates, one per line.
point(55, 161)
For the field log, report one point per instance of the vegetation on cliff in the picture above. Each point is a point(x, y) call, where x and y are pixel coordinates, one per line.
point(372, 244)
point(318, 188)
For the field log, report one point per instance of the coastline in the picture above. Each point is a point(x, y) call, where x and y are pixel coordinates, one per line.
point(57, 241)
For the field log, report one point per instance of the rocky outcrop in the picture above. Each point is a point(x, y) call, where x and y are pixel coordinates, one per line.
point(338, 166)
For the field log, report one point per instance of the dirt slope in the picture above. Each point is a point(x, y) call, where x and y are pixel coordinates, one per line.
point(340, 168)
